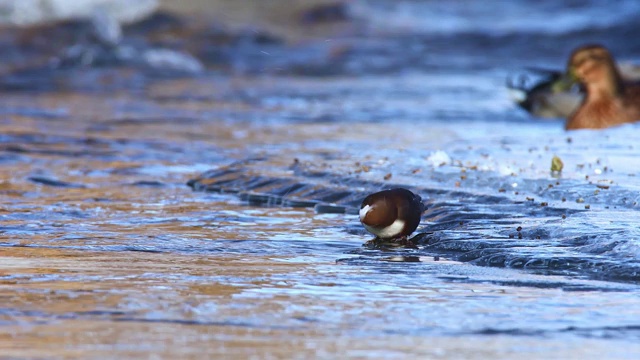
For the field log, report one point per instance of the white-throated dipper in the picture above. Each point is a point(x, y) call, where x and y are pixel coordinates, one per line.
point(391, 214)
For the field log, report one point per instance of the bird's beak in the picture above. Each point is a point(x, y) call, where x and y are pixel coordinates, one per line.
point(566, 81)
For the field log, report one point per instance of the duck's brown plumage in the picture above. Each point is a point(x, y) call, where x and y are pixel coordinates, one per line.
point(608, 101)
point(380, 211)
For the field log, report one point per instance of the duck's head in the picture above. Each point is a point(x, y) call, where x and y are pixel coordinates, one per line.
point(594, 67)
point(378, 211)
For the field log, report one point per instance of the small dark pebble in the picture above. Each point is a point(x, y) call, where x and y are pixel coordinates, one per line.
point(519, 235)
point(326, 13)
point(519, 228)
point(53, 182)
point(544, 204)
point(150, 183)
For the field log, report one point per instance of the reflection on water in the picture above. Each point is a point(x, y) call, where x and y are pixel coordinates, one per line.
point(107, 253)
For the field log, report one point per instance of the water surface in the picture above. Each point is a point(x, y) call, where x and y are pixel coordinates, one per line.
point(108, 253)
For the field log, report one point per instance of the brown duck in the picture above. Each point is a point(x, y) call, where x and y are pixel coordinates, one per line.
point(392, 215)
point(609, 101)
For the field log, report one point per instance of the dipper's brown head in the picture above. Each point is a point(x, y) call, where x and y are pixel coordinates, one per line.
point(391, 214)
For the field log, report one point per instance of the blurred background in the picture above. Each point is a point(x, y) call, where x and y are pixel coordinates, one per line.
point(323, 36)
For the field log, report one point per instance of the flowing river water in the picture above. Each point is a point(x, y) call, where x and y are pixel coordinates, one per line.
point(158, 214)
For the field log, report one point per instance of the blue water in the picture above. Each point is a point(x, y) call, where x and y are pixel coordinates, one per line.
point(97, 212)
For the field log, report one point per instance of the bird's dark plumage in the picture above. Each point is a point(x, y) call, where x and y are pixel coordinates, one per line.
point(391, 214)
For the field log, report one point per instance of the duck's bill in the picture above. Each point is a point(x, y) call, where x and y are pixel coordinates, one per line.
point(565, 83)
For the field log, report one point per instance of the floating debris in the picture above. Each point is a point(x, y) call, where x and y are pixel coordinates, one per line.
point(556, 164)
point(439, 158)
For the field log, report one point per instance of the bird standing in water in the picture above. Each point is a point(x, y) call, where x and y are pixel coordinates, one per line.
point(392, 215)
point(609, 101)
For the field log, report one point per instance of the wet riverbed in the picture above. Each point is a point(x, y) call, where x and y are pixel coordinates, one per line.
point(108, 253)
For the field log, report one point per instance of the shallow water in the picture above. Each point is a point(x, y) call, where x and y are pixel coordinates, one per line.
point(107, 253)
